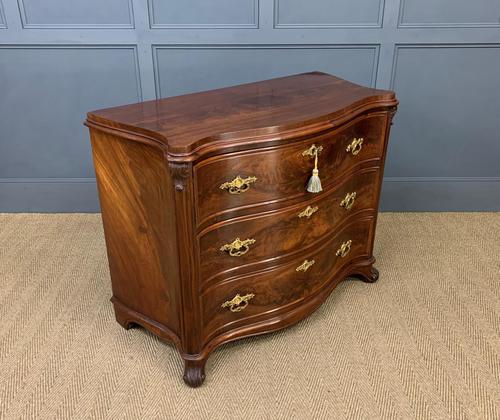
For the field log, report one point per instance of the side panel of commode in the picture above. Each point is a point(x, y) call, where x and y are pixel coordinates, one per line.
point(136, 194)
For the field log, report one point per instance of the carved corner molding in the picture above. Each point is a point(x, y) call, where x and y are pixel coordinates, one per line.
point(180, 173)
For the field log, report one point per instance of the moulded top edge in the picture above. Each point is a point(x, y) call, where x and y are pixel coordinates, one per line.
point(270, 110)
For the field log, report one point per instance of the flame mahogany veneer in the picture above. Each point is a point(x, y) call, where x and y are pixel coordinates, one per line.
point(160, 166)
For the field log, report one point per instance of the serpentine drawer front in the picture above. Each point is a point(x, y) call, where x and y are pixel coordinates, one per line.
point(235, 212)
point(276, 234)
point(281, 173)
point(275, 289)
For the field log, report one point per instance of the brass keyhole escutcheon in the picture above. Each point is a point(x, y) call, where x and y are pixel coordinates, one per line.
point(306, 265)
point(237, 248)
point(348, 200)
point(355, 146)
point(238, 185)
point(238, 303)
point(308, 212)
point(312, 151)
point(314, 182)
point(344, 249)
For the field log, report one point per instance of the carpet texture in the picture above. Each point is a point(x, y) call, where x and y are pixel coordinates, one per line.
point(423, 342)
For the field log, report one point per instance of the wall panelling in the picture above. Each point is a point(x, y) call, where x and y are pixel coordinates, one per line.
point(2, 17)
point(328, 14)
point(449, 13)
point(83, 14)
point(176, 66)
point(214, 14)
point(59, 59)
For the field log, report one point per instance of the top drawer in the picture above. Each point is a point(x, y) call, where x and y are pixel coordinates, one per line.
point(276, 174)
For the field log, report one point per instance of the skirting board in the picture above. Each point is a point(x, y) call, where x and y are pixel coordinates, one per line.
point(66, 195)
point(48, 195)
point(441, 194)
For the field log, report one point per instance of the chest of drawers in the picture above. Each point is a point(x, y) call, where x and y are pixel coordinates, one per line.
point(212, 231)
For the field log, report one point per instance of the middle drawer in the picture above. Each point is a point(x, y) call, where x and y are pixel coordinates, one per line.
point(236, 246)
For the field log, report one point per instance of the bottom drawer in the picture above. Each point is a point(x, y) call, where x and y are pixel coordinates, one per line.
point(263, 293)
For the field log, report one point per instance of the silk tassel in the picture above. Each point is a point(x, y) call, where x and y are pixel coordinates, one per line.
point(314, 184)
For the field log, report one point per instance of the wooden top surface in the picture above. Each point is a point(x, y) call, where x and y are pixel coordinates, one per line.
point(268, 108)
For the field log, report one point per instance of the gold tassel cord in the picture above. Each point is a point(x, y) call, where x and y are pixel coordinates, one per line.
point(314, 184)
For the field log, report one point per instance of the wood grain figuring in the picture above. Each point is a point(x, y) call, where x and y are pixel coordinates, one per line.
point(143, 270)
point(159, 167)
point(279, 287)
point(281, 232)
point(271, 107)
point(282, 173)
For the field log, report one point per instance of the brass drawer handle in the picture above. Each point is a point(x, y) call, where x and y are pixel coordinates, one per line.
point(308, 212)
point(238, 303)
point(306, 265)
point(348, 201)
point(238, 185)
point(344, 249)
point(355, 146)
point(238, 247)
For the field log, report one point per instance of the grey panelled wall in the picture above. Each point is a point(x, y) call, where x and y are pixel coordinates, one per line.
point(60, 58)
point(2, 17)
point(174, 76)
point(64, 14)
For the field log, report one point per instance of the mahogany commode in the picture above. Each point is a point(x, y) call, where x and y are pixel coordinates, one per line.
point(211, 231)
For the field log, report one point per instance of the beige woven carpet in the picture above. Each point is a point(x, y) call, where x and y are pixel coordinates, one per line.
point(421, 343)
